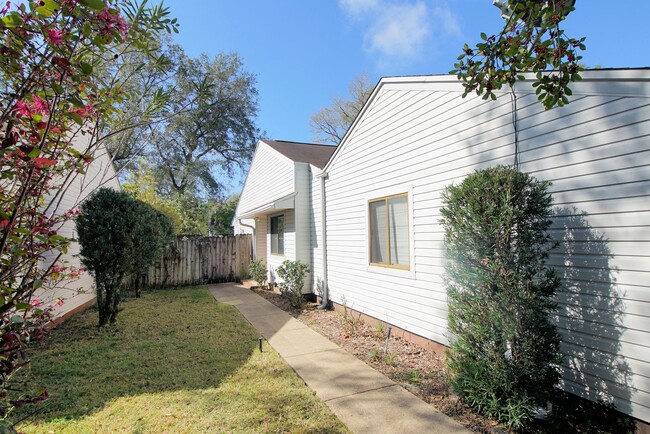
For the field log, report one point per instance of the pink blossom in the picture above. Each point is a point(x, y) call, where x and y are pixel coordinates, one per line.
point(36, 301)
point(39, 106)
point(58, 268)
point(112, 20)
point(59, 302)
point(56, 36)
point(22, 109)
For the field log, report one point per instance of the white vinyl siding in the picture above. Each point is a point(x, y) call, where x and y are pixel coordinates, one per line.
point(303, 219)
point(596, 153)
point(316, 239)
point(270, 177)
point(80, 291)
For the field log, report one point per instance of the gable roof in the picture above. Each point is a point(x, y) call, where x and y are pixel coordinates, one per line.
point(316, 155)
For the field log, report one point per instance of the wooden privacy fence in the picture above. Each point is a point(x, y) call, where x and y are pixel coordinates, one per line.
point(195, 260)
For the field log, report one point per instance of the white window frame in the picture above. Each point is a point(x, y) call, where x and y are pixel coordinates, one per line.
point(284, 234)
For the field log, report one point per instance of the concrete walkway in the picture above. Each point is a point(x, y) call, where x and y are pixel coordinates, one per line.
point(362, 398)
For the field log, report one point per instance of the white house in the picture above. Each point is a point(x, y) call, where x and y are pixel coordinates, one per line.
point(384, 246)
point(280, 204)
point(68, 296)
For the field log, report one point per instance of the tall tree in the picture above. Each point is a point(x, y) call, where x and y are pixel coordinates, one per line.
point(531, 41)
point(330, 123)
point(214, 102)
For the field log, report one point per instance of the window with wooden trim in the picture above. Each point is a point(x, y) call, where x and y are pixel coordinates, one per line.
point(277, 235)
point(389, 231)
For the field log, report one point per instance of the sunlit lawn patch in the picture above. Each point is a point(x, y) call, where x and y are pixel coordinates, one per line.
point(176, 362)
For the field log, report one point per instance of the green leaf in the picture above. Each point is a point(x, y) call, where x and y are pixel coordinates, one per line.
point(17, 319)
point(484, 36)
point(97, 5)
point(75, 117)
point(38, 283)
point(22, 306)
point(76, 102)
point(12, 19)
point(85, 30)
point(86, 68)
point(56, 87)
point(44, 12)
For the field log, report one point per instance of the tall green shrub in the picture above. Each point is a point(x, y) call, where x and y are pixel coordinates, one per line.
point(504, 348)
point(118, 234)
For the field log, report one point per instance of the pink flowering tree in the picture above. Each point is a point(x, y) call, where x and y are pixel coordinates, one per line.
point(60, 63)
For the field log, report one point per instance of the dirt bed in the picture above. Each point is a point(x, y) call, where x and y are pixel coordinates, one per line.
point(418, 370)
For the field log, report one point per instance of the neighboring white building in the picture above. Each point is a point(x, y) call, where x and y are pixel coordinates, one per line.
point(71, 295)
point(280, 204)
point(415, 136)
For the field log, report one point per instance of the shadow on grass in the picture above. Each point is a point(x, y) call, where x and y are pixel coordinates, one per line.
point(168, 340)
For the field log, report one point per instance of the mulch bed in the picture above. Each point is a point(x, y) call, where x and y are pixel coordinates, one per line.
point(422, 372)
point(418, 370)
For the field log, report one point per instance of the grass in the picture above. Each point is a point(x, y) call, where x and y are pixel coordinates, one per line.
point(177, 362)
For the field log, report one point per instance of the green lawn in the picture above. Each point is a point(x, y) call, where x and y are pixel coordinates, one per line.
point(177, 362)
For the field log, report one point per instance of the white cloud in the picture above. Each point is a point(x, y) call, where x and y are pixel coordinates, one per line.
point(357, 8)
point(399, 31)
point(447, 21)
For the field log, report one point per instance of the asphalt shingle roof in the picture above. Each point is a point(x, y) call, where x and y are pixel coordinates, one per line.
point(316, 155)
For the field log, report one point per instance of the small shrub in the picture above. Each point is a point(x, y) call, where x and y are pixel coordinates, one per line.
point(257, 272)
point(411, 376)
point(374, 355)
point(378, 330)
point(389, 359)
point(351, 322)
point(504, 348)
point(292, 274)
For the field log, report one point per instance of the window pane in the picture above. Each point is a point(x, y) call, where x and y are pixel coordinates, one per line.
point(280, 232)
point(398, 229)
point(378, 240)
point(277, 235)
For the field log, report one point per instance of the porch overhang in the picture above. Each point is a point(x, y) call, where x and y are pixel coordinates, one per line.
point(286, 202)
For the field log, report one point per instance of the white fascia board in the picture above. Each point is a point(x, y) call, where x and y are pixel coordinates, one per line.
point(286, 202)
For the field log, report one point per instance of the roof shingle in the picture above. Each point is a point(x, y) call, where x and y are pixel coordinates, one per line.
point(316, 155)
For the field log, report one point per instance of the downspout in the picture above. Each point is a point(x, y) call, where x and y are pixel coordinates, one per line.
point(254, 236)
point(323, 231)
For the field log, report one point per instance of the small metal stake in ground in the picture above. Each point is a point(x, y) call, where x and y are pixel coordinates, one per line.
point(260, 341)
point(387, 337)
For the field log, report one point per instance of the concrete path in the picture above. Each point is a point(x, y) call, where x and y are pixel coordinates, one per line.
point(362, 398)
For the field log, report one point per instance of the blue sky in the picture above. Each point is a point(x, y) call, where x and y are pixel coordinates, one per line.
point(305, 52)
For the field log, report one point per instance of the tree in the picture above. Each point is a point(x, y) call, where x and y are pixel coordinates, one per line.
point(531, 41)
point(330, 123)
point(221, 220)
point(119, 236)
point(216, 131)
point(504, 352)
point(51, 100)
